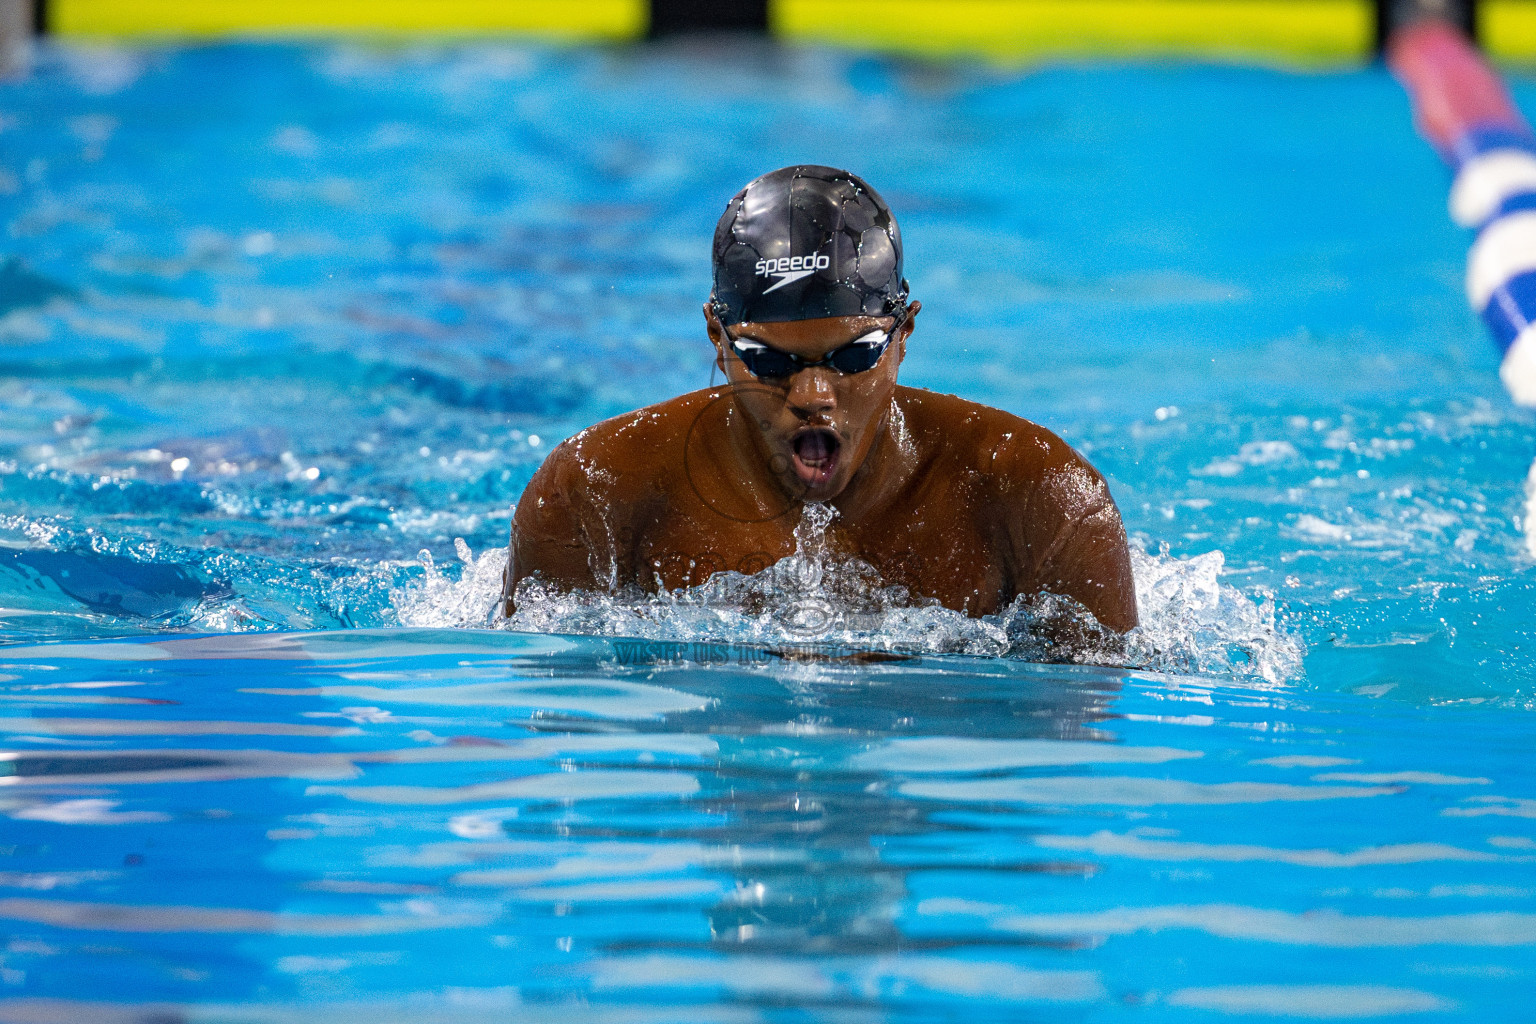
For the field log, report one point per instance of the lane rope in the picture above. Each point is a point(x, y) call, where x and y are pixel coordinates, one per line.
point(1462, 107)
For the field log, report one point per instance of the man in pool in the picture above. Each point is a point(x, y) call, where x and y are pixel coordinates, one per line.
point(810, 320)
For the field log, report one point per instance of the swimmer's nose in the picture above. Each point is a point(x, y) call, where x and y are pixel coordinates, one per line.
point(811, 392)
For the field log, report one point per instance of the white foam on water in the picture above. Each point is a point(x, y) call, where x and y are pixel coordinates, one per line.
point(1193, 622)
point(435, 600)
point(1190, 621)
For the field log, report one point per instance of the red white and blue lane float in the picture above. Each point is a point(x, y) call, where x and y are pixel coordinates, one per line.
point(1463, 108)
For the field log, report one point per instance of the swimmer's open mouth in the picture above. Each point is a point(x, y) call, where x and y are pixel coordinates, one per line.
point(816, 450)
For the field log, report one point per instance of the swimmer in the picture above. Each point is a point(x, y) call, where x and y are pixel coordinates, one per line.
point(810, 319)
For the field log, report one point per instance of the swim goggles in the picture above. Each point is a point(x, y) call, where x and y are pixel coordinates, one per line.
point(858, 355)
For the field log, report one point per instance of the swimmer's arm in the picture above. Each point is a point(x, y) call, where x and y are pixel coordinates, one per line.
point(1071, 540)
point(549, 535)
point(1093, 566)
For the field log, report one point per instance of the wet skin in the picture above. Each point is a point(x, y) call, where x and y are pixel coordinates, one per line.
point(955, 501)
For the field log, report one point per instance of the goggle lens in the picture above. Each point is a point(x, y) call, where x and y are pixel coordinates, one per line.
point(766, 362)
point(857, 356)
point(860, 355)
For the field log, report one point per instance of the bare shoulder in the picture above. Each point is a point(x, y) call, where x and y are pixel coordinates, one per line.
point(627, 451)
point(1015, 453)
point(1064, 531)
point(571, 521)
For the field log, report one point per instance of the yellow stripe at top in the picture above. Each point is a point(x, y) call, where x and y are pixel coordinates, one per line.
point(1508, 28)
point(1303, 31)
point(573, 19)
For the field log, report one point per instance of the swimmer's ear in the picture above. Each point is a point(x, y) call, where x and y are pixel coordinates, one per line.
point(906, 330)
point(716, 334)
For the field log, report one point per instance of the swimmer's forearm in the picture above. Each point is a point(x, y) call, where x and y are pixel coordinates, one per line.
point(1085, 558)
point(562, 563)
point(1095, 570)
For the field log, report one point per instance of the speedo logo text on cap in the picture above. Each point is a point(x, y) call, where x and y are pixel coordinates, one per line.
point(791, 268)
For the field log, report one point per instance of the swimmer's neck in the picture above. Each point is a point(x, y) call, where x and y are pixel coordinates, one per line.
point(886, 470)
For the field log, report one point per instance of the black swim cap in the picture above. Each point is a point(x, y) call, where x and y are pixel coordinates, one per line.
point(806, 242)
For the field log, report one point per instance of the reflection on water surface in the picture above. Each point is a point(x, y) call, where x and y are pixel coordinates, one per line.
point(460, 827)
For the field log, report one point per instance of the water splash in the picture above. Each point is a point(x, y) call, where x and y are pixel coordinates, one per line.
point(82, 582)
point(435, 600)
point(1191, 622)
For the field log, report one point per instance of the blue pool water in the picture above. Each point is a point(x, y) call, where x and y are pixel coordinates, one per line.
point(274, 320)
